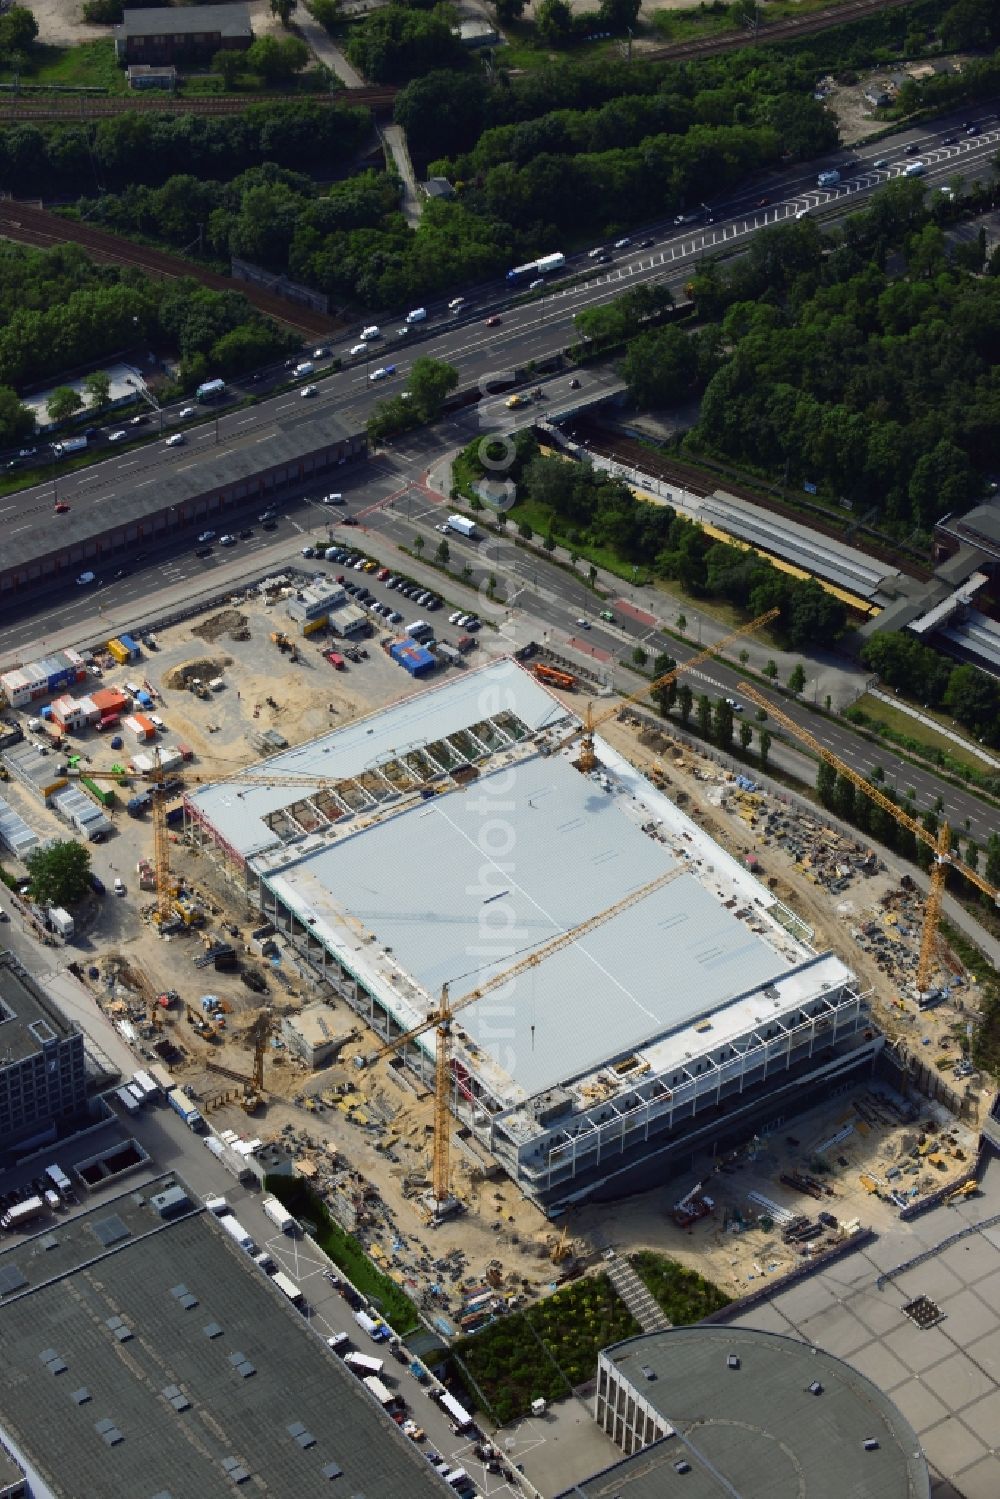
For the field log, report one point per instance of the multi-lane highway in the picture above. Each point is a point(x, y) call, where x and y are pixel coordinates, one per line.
point(525, 329)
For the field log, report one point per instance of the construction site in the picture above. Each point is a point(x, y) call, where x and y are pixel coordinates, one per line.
point(656, 967)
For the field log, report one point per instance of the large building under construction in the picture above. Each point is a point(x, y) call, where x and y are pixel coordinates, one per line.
point(441, 840)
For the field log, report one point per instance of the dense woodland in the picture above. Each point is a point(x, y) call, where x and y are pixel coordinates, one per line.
point(58, 310)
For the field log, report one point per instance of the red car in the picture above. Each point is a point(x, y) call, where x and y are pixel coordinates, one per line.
point(382, 574)
point(493, 322)
point(336, 660)
point(341, 578)
point(61, 508)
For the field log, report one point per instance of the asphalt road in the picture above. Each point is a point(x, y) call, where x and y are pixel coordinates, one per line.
point(527, 330)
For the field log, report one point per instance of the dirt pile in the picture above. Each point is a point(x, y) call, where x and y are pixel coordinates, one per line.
point(227, 622)
point(202, 670)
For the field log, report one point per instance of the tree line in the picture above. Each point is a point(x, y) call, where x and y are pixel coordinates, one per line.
point(59, 310)
point(586, 509)
point(135, 147)
point(970, 695)
point(877, 388)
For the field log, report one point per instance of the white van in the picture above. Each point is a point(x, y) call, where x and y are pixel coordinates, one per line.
point(371, 332)
point(418, 315)
point(305, 368)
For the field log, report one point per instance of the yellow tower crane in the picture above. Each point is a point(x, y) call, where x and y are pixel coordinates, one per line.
point(941, 845)
point(440, 1020)
point(588, 758)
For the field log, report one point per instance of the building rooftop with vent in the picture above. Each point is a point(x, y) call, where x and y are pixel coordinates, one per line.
point(713, 1412)
point(149, 1357)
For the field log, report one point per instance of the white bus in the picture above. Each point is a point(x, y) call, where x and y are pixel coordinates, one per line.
point(362, 1364)
point(457, 1412)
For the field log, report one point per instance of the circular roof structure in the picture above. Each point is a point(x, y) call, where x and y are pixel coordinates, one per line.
point(767, 1417)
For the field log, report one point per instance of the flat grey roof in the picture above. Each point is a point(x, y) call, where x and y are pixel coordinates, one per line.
point(28, 1018)
point(119, 1372)
point(758, 1430)
point(980, 526)
point(168, 20)
point(182, 475)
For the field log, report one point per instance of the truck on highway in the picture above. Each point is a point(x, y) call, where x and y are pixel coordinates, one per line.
point(462, 527)
point(22, 1212)
point(281, 1217)
point(211, 390)
point(69, 445)
point(545, 266)
point(915, 169)
point(186, 1107)
point(828, 179)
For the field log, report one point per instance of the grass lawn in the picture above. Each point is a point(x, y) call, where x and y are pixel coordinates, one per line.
point(87, 65)
point(345, 1251)
point(911, 728)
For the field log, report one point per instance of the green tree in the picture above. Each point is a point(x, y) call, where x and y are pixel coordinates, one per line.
point(16, 420)
point(722, 725)
point(508, 11)
point(443, 552)
point(992, 869)
point(682, 623)
point(97, 386)
point(704, 715)
point(744, 657)
point(826, 784)
point(592, 575)
point(685, 702)
point(229, 65)
point(418, 544)
point(796, 678)
point(771, 669)
point(60, 873)
point(659, 368)
point(63, 402)
point(274, 61)
point(746, 735)
point(283, 10)
point(553, 21)
point(524, 531)
point(640, 656)
point(764, 747)
point(431, 382)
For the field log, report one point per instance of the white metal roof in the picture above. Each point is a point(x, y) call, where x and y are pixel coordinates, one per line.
point(456, 888)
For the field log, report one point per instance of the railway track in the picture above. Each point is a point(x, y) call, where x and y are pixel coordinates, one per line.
point(43, 230)
point(86, 107)
point(636, 455)
point(780, 31)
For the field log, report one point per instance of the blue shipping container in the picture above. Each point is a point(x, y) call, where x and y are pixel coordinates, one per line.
point(131, 645)
point(412, 657)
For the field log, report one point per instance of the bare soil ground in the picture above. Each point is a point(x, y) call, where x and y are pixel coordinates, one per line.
point(376, 1138)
